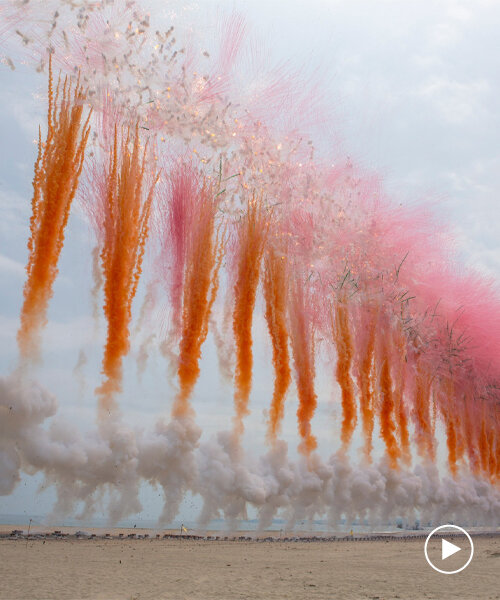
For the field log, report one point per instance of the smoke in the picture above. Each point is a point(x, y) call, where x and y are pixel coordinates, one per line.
point(97, 286)
point(144, 322)
point(344, 346)
point(147, 344)
point(353, 273)
point(302, 342)
point(57, 170)
point(224, 343)
point(81, 467)
point(252, 231)
point(275, 292)
point(106, 467)
point(124, 190)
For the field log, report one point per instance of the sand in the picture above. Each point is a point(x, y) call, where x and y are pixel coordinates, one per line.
point(178, 569)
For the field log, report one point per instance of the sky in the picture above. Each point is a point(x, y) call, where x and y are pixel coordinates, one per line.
point(411, 90)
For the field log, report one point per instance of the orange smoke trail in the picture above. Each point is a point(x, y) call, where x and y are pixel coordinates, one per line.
point(214, 286)
point(301, 336)
point(57, 169)
point(448, 410)
point(126, 217)
point(366, 387)
point(487, 453)
point(387, 425)
point(343, 341)
point(451, 442)
point(399, 391)
point(483, 443)
point(457, 414)
point(497, 449)
point(434, 414)
point(423, 429)
point(493, 458)
point(497, 454)
point(200, 289)
point(252, 233)
point(275, 295)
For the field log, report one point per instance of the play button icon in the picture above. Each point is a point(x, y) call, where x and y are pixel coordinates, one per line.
point(438, 549)
point(448, 549)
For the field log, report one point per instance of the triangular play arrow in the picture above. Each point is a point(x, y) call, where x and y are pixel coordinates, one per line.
point(448, 549)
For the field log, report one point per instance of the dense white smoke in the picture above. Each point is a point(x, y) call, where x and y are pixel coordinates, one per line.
point(110, 463)
point(23, 409)
point(167, 457)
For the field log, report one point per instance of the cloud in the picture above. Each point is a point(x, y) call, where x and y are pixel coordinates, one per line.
point(456, 102)
point(25, 108)
point(15, 214)
point(58, 336)
point(11, 267)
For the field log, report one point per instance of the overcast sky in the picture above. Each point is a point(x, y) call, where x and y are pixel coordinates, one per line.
point(414, 89)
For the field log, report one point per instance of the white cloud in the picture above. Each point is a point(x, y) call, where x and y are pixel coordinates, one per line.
point(10, 266)
point(456, 101)
point(15, 214)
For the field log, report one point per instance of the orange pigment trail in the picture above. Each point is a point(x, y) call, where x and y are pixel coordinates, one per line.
point(448, 410)
point(275, 295)
point(204, 258)
point(126, 210)
point(252, 235)
point(459, 431)
point(57, 170)
point(399, 396)
point(493, 456)
point(387, 424)
point(366, 387)
point(343, 341)
point(483, 442)
point(422, 415)
point(302, 339)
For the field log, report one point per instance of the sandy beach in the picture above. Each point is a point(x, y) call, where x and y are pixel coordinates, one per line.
point(69, 568)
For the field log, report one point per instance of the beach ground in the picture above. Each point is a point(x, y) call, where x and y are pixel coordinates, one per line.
point(140, 569)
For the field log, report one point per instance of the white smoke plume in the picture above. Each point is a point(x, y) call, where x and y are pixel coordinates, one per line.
point(110, 463)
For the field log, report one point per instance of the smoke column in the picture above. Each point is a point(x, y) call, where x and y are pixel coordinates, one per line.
point(399, 397)
point(203, 260)
point(276, 295)
point(344, 353)
point(302, 341)
point(364, 374)
point(57, 170)
point(124, 210)
point(387, 424)
point(177, 220)
point(251, 232)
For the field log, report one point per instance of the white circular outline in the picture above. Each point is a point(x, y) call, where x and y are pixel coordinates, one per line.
point(471, 549)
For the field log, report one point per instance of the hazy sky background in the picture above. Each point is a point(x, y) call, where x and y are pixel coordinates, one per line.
point(414, 89)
